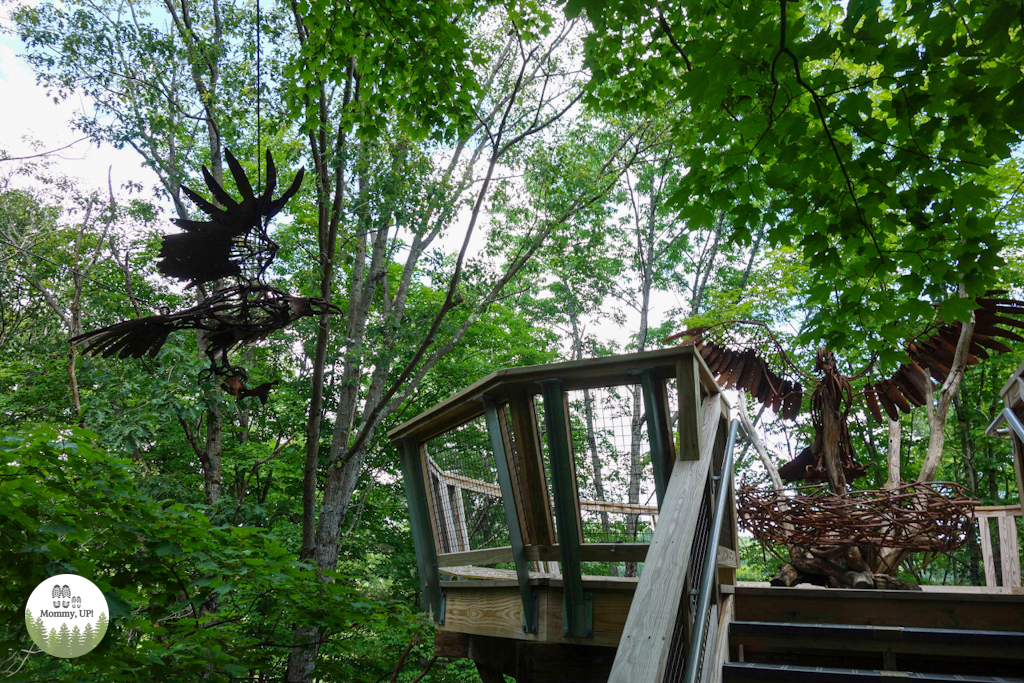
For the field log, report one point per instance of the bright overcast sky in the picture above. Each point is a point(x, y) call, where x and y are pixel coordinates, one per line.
point(28, 114)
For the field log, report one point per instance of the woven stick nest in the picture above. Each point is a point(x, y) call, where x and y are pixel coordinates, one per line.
point(931, 517)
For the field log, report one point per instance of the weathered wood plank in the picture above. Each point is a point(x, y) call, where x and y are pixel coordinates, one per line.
point(647, 634)
point(728, 557)
point(498, 612)
point(492, 611)
point(471, 572)
point(997, 510)
point(985, 535)
point(418, 500)
point(533, 482)
point(589, 372)
point(1009, 550)
point(508, 439)
point(910, 609)
point(610, 610)
point(450, 537)
point(592, 552)
point(460, 519)
point(721, 655)
point(483, 556)
point(690, 419)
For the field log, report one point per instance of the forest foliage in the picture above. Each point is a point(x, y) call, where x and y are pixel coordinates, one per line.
point(488, 185)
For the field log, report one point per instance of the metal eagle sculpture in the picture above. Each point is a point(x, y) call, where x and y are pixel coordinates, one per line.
point(234, 244)
point(738, 363)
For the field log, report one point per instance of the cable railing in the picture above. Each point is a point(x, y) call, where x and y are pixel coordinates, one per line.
point(706, 588)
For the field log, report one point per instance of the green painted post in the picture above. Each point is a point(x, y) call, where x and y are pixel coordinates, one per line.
point(658, 432)
point(515, 532)
point(577, 607)
point(422, 536)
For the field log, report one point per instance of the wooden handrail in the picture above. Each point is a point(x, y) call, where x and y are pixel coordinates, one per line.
point(647, 636)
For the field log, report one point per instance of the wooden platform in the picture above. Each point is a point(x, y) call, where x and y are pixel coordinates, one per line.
point(492, 607)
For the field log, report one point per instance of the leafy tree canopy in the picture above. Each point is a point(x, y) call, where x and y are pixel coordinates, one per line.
point(869, 137)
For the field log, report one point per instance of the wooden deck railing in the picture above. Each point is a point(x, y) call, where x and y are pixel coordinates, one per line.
point(1006, 517)
point(661, 622)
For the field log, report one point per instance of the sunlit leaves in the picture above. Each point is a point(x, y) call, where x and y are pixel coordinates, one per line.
point(875, 128)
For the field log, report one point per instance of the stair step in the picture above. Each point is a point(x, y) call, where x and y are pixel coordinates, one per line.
point(754, 634)
point(748, 672)
point(874, 647)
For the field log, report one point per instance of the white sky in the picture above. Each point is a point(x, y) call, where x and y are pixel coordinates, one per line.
point(27, 114)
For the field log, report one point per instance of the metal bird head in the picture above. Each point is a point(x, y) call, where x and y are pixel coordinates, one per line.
point(318, 306)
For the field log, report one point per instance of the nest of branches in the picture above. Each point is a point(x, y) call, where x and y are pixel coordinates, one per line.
point(933, 517)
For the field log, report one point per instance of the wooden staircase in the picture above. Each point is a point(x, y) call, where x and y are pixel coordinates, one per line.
point(816, 635)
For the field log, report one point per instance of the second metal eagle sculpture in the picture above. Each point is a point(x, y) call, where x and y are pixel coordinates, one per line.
point(739, 363)
point(233, 244)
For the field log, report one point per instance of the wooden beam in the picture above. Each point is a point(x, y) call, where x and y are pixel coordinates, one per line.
point(539, 528)
point(985, 536)
point(605, 371)
point(498, 611)
point(647, 635)
point(727, 557)
point(484, 556)
point(508, 499)
point(659, 430)
point(690, 419)
point(909, 609)
point(592, 552)
point(422, 538)
point(578, 608)
point(721, 655)
point(1009, 551)
point(460, 519)
point(451, 644)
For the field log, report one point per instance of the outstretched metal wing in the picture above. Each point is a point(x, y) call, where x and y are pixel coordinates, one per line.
point(234, 242)
point(232, 317)
point(736, 362)
point(930, 356)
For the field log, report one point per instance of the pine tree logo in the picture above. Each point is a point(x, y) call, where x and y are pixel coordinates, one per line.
point(66, 616)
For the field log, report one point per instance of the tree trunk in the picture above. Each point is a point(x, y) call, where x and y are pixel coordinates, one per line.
point(893, 454)
point(971, 475)
point(588, 407)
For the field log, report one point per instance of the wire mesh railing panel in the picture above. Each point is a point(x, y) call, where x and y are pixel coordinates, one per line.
point(612, 455)
point(463, 480)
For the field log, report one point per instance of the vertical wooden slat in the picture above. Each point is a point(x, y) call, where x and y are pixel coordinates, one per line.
point(690, 419)
point(432, 472)
point(538, 528)
point(449, 536)
point(460, 518)
point(985, 535)
point(508, 441)
point(1018, 460)
point(643, 649)
point(419, 519)
point(1009, 550)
